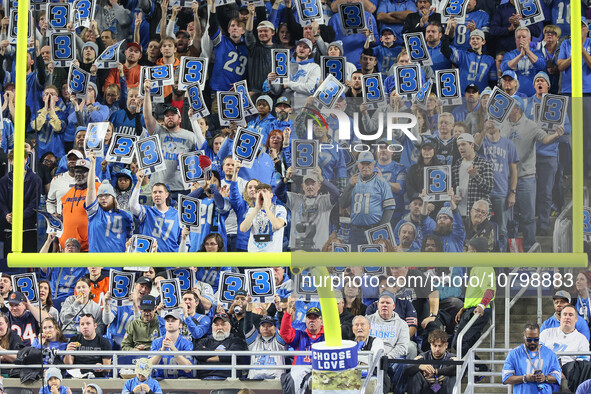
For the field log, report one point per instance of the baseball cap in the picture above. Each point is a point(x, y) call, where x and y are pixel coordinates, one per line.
point(388, 294)
point(486, 91)
point(584, 20)
point(243, 8)
point(171, 108)
point(313, 311)
point(148, 303)
point(16, 298)
point(267, 319)
point(386, 29)
point(222, 316)
point(143, 366)
point(472, 86)
point(144, 280)
point(176, 313)
point(416, 196)
point(105, 188)
point(427, 142)
point(509, 73)
point(135, 45)
point(266, 25)
point(76, 153)
point(312, 176)
point(542, 74)
point(241, 293)
point(562, 294)
point(83, 163)
point(53, 372)
point(365, 156)
point(283, 100)
point(182, 32)
point(477, 33)
point(266, 98)
point(465, 137)
point(305, 41)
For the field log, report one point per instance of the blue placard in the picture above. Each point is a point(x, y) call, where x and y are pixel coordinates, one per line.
point(335, 66)
point(63, 48)
point(185, 276)
point(280, 65)
point(58, 16)
point(437, 181)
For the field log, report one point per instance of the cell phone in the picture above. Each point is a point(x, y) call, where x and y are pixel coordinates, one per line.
point(538, 372)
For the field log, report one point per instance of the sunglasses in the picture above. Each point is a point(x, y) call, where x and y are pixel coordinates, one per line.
point(537, 339)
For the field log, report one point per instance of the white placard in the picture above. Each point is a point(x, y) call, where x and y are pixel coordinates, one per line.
point(78, 81)
point(122, 148)
point(189, 215)
point(149, 154)
point(448, 85)
point(261, 284)
point(246, 146)
point(416, 47)
point(304, 154)
point(121, 286)
point(437, 181)
point(27, 284)
point(329, 92)
point(94, 140)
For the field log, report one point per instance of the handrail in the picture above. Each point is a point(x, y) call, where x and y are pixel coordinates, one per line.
point(557, 236)
point(380, 377)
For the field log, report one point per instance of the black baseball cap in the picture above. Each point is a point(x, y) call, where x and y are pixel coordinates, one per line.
point(148, 303)
point(144, 280)
point(222, 316)
point(171, 108)
point(472, 86)
point(16, 298)
point(267, 319)
point(427, 142)
point(241, 293)
point(313, 311)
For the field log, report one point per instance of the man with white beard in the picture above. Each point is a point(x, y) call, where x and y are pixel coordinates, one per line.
point(220, 340)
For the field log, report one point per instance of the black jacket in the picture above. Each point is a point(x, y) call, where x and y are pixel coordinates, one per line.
point(233, 342)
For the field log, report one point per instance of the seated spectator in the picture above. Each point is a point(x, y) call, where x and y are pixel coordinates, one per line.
point(386, 325)
point(51, 337)
point(92, 388)
point(581, 291)
point(75, 306)
point(172, 342)
point(53, 377)
point(221, 339)
point(480, 225)
point(366, 342)
point(89, 340)
point(298, 379)
point(24, 317)
point(143, 381)
point(99, 284)
point(433, 376)
point(144, 329)
point(46, 299)
point(566, 338)
point(414, 217)
point(561, 299)
point(9, 340)
point(538, 371)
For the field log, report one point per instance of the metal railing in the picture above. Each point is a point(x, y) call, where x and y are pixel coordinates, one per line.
point(379, 376)
point(373, 361)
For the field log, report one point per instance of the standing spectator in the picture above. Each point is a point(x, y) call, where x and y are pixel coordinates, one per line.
point(474, 20)
point(174, 139)
point(370, 199)
point(414, 179)
point(472, 176)
point(24, 317)
point(353, 44)
point(221, 339)
point(433, 39)
point(469, 104)
point(73, 211)
point(393, 14)
point(130, 119)
point(32, 194)
point(143, 381)
point(61, 183)
point(532, 367)
point(478, 225)
point(502, 153)
point(524, 133)
point(196, 324)
point(266, 222)
point(525, 62)
point(449, 225)
point(140, 333)
point(418, 21)
point(386, 325)
point(504, 22)
point(550, 48)
point(259, 51)
point(265, 122)
point(296, 381)
point(414, 216)
point(89, 340)
point(49, 123)
point(88, 110)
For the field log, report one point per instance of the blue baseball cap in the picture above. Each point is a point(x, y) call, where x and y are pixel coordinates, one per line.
point(509, 73)
point(519, 101)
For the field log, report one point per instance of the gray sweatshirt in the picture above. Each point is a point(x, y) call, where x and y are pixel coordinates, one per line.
point(394, 333)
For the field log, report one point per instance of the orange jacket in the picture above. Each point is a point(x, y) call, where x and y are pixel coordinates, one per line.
point(75, 218)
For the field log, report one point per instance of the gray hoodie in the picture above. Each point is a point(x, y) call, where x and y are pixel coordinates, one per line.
point(394, 333)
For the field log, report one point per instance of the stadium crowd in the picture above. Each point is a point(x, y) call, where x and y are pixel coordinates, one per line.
point(505, 179)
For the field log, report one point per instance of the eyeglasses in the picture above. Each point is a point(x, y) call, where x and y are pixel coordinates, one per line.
point(211, 244)
point(537, 339)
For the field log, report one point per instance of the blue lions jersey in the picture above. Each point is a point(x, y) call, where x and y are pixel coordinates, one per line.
point(181, 344)
point(165, 227)
point(369, 200)
point(263, 126)
point(212, 219)
point(123, 124)
point(230, 62)
point(476, 69)
point(396, 173)
point(211, 276)
point(107, 231)
point(118, 327)
point(561, 15)
point(462, 34)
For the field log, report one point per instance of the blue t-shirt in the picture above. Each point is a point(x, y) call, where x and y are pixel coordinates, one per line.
point(561, 15)
point(107, 231)
point(133, 383)
point(369, 200)
point(387, 6)
point(396, 173)
point(181, 344)
point(440, 62)
point(518, 363)
point(565, 53)
point(165, 227)
point(501, 154)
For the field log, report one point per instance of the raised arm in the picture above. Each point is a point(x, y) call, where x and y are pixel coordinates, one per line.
point(151, 122)
point(90, 189)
